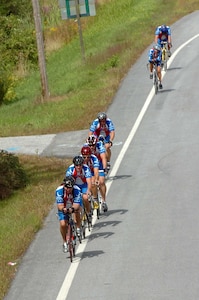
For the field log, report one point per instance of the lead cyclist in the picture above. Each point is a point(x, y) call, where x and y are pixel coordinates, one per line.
point(163, 34)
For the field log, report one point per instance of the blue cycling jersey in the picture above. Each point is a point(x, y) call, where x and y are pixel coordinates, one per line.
point(97, 129)
point(155, 56)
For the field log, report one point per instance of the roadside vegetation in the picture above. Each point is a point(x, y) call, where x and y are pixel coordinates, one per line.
point(114, 39)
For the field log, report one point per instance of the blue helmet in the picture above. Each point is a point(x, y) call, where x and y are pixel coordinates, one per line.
point(164, 29)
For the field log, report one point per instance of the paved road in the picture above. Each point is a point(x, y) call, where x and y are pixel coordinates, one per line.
point(59, 145)
point(146, 247)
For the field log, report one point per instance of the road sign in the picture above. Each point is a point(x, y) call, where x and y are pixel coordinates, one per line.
point(69, 11)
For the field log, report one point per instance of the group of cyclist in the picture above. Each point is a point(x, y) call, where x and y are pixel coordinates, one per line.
point(162, 34)
point(85, 176)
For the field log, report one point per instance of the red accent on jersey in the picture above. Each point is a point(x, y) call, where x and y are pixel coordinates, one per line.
point(101, 130)
point(81, 175)
point(163, 36)
point(68, 198)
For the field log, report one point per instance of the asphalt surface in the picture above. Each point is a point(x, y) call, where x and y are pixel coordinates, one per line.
point(63, 145)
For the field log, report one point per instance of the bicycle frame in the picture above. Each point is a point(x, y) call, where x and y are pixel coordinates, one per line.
point(164, 55)
point(85, 222)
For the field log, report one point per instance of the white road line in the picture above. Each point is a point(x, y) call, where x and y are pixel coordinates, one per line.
point(73, 267)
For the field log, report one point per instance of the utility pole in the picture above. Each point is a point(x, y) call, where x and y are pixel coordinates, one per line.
point(80, 30)
point(40, 49)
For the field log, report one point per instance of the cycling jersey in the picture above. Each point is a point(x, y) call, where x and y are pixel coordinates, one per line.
point(102, 129)
point(80, 176)
point(155, 56)
point(67, 199)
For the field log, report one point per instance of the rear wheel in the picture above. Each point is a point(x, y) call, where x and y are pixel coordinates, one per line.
point(155, 82)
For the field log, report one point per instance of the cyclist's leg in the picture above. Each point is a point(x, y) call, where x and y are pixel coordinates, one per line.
point(102, 186)
point(63, 224)
point(151, 69)
point(86, 202)
point(94, 188)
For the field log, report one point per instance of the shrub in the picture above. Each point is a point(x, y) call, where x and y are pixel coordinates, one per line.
point(12, 174)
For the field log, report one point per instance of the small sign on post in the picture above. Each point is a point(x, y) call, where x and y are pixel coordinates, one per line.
point(68, 8)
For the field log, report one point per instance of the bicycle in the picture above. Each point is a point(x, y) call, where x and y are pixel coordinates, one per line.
point(72, 236)
point(164, 55)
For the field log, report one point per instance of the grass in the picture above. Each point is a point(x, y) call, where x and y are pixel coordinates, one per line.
point(22, 214)
point(114, 39)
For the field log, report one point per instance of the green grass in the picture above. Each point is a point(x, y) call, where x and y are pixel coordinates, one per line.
point(114, 39)
point(22, 214)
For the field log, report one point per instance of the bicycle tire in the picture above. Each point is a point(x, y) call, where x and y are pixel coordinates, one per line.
point(84, 220)
point(70, 245)
point(165, 66)
point(156, 83)
point(89, 223)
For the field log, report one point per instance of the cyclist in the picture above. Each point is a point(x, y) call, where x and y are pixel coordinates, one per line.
point(155, 56)
point(92, 161)
point(163, 34)
point(82, 174)
point(99, 150)
point(68, 199)
point(104, 126)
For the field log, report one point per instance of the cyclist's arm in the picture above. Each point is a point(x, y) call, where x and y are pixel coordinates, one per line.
point(112, 135)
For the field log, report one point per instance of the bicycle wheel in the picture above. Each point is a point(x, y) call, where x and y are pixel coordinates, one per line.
point(73, 239)
point(155, 82)
point(70, 245)
point(84, 221)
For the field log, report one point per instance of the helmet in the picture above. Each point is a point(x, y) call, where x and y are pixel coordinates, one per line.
point(163, 29)
point(101, 138)
point(92, 140)
point(78, 160)
point(157, 47)
point(86, 150)
point(101, 116)
point(69, 181)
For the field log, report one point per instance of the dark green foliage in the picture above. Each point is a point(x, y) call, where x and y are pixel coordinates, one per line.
point(12, 174)
point(17, 42)
point(15, 7)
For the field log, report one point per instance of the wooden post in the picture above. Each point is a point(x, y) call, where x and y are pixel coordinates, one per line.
point(80, 30)
point(40, 49)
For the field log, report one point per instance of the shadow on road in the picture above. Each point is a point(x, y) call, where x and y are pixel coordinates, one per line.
point(119, 177)
point(90, 254)
point(96, 235)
